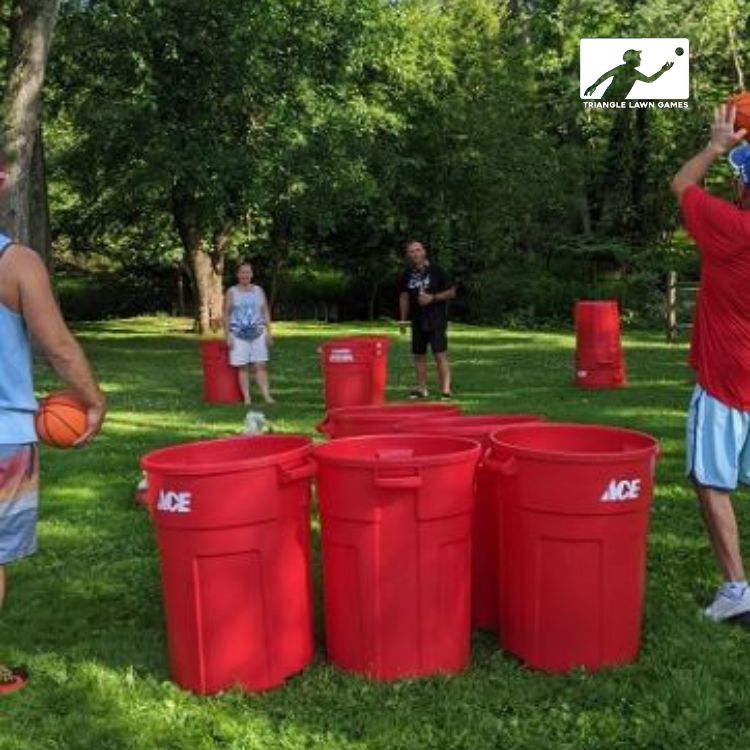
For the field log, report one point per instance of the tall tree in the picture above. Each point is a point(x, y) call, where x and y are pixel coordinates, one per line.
point(23, 211)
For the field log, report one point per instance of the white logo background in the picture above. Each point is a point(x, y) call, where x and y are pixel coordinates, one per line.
point(600, 55)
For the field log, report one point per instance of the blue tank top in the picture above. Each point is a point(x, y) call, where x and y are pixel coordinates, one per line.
point(17, 402)
point(246, 312)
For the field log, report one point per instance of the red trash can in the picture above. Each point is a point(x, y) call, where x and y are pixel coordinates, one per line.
point(355, 370)
point(484, 548)
point(599, 359)
point(396, 529)
point(351, 421)
point(232, 525)
point(220, 384)
point(574, 509)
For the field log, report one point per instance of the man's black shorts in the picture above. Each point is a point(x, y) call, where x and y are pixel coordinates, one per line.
point(437, 340)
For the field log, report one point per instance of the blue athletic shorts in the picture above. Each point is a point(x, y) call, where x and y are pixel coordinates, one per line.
point(718, 443)
point(19, 501)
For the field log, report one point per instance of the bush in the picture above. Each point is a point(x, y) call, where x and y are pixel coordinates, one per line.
point(115, 295)
point(532, 295)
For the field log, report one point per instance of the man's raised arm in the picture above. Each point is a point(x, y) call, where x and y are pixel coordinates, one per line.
point(723, 138)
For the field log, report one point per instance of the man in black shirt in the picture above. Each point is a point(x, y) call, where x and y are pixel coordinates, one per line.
point(423, 301)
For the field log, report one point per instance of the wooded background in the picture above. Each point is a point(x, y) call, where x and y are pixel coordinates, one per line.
point(171, 137)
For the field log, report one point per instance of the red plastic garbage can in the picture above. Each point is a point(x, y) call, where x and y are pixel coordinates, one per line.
point(220, 384)
point(355, 370)
point(599, 359)
point(232, 525)
point(574, 508)
point(396, 529)
point(484, 548)
point(351, 421)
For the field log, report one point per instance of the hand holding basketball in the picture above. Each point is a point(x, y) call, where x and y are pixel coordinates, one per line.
point(94, 420)
point(64, 421)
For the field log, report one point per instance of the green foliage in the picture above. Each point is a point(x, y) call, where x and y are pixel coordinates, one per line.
point(324, 133)
point(110, 295)
point(314, 285)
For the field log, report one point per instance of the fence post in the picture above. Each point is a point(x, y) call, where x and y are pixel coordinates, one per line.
point(671, 307)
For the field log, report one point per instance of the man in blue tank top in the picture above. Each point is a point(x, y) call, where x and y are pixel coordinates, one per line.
point(29, 309)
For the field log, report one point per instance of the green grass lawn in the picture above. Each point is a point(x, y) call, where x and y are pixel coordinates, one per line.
point(85, 613)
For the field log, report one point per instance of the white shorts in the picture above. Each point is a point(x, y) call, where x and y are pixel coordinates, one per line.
point(244, 352)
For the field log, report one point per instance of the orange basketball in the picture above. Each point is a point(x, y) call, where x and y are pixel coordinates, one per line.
point(742, 115)
point(61, 419)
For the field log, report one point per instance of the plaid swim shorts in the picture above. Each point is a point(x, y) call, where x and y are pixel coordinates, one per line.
point(19, 501)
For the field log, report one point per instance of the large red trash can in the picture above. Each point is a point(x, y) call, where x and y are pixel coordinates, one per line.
point(599, 359)
point(232, 525)
point(396, 529)
point(351, 421)
point(220, 383)
point(574, 506)
point(355, 370)
point(484, 547)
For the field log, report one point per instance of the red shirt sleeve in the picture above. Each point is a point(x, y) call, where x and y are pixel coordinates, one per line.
point(718, 227)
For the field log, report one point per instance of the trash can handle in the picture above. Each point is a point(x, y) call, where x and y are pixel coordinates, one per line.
point(508, 467)
point(611, 357)
point(394, 454)
point(411, 482)
point(305, 471)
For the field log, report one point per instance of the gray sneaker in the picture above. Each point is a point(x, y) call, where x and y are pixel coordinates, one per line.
point(728, 604)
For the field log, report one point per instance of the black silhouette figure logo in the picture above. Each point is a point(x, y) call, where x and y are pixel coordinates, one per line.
point(626, 75)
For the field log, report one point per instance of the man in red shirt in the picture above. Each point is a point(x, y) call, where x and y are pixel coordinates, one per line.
point(718, 428)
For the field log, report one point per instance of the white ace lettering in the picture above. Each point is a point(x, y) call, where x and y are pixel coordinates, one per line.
point(619, 491)
point(174, 502)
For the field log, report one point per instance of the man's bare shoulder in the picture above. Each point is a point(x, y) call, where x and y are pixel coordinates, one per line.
point(21, 258)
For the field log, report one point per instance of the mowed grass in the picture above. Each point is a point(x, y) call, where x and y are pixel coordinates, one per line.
point(85, 613)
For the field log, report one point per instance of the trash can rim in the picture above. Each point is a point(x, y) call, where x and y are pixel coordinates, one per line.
point(464, 425)
point(214, 341)
point(561, 456)
point(358, 339)
point(465, 447)
point(152, 461)
point(385, 410)
point(609, 301)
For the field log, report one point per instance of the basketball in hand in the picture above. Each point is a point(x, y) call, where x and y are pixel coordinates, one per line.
point(741, 102)
point(61, 419)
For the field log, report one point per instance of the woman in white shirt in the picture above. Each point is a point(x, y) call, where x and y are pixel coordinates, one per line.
point(248, 332)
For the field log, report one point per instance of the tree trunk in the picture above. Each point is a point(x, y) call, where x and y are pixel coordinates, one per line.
point(40, 235)
point(738, 66)
point(207, 265)
point(32, 25)
point(210, 314)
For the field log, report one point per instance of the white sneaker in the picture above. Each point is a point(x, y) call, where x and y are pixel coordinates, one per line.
point(728, 604)
point(256, 423)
